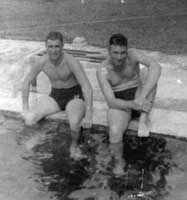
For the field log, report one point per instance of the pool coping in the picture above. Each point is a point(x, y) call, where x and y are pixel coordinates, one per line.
point(132, 129)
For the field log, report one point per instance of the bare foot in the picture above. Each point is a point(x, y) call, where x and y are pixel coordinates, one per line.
point(33, 142)
point(119, 168)
point(76, 153)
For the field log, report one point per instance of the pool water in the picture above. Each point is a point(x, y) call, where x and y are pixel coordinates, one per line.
point(35, 164)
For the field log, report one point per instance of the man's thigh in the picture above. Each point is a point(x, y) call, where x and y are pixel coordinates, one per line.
point(39, 109)
point(44, 106)
point(118, 121)
point(75, 110)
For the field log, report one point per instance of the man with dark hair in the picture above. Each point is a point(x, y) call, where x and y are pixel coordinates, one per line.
point(71, 90)
point(55, 36)
point(118, 39)
point(127, 94)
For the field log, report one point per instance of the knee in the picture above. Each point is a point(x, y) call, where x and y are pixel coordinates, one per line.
point(115, 135)
point(74, 124)
point(75, 104)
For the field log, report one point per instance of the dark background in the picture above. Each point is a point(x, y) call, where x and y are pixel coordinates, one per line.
point(150, 24)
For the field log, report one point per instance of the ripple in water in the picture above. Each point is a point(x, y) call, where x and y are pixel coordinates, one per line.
point(156, 166)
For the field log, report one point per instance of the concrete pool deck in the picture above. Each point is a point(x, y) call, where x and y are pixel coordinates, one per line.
point(168, 117)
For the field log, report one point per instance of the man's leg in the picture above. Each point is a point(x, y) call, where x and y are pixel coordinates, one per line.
point(118, 123)
point(75, 110)
point(44, 106)
point(144, 121)
point(34, 85)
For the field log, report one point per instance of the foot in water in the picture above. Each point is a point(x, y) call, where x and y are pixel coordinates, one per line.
point(119, 168)
point(76, 153)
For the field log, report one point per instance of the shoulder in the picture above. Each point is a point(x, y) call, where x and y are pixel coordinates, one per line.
point(133, 54)
point(73, 64)
point(133, 57)
point(143, 56)
point(37, 62)
point(70, 59)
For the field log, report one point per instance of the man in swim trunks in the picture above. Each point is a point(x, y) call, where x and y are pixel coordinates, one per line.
point(126, 93)
point(71, 90)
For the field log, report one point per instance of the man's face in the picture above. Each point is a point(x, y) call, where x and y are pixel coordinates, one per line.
point(118, 55)
point(54, 49)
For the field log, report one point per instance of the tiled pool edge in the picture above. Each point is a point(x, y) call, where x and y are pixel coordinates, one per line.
point(98, 122)
point(163, 121)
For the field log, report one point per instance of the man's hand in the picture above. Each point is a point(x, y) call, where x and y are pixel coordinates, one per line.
point(147, 106)
point(135, 105)
point(87, 122)
point(142, 104)
point(139, 102)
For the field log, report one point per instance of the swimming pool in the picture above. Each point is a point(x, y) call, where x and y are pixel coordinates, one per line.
point(35, 161)
point(35, 164)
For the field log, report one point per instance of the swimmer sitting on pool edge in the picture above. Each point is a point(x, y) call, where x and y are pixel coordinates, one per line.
point(71, 90)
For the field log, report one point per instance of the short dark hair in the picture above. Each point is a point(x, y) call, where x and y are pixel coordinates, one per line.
point(55, 36)
point(118, 39)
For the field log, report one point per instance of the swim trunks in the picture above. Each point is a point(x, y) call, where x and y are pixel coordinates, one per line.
point(128, 95)
point(64, 95)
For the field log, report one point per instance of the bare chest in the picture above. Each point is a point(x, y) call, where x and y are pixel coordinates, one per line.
point(123, 76)
point(55, 73)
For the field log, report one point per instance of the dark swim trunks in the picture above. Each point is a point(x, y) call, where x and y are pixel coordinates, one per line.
point(128, 95)
point(64, 95)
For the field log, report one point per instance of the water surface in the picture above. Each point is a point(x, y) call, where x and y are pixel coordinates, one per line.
point(35, 164)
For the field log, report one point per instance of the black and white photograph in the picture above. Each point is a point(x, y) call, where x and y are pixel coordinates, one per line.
point(93, 99)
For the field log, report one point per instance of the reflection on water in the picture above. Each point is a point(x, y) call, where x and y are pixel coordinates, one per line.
point(156, 166)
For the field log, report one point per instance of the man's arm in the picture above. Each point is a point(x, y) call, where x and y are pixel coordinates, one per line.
point(154, 70)
point(32, 74)
point(81, 77)
point(109, 94)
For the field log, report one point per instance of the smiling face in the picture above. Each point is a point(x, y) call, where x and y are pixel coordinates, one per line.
point(54, 49)
point(118, 55)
